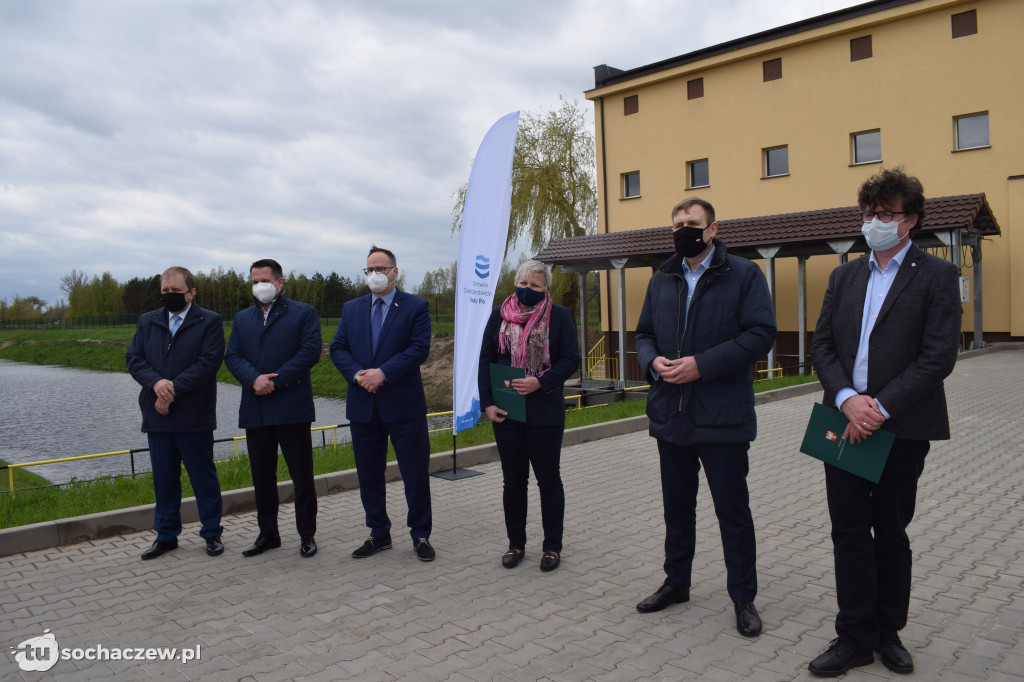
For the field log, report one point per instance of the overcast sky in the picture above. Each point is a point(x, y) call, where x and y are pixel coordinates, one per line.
point(139, 134)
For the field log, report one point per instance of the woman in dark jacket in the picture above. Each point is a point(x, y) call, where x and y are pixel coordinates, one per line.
point(527, 330)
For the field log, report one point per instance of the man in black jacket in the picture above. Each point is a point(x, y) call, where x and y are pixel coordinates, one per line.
point(175, 355)
point(707, 318)
point(887, 336)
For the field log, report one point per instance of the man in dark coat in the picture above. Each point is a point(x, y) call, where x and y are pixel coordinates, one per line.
point(273, 346)
point(381, 341)
point(707, 318)
point(175, 355)
point(887, 336)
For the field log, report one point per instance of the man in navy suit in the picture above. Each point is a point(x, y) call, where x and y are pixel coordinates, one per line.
point(382, 340)
point(887, 336)
point(174, 356)
point(273, 346)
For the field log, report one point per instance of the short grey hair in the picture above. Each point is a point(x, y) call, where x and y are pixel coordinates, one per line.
point(531, 266)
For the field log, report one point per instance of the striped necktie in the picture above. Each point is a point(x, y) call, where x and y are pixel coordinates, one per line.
point(175, 323)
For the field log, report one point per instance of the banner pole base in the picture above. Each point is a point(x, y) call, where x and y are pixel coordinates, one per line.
point(455, 473)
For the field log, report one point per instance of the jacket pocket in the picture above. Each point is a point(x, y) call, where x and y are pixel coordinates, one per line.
point(723, 403)
point(662, 401)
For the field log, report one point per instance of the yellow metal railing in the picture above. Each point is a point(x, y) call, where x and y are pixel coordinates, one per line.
point(765, 374)
point(609, 366)
point(23, 465)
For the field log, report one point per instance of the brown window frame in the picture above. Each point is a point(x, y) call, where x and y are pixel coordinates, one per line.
point(772, 69)
point(695, 88)
point(689, 173)
point(958, 146)
point(854, 137)
point(625, 185)
point(860, 48)
point(964, 23)
point(764, 160)
point(630, 105)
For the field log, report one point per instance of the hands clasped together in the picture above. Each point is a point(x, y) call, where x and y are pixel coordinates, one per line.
point(679, 371)
point(164, 391)
point(864, 416)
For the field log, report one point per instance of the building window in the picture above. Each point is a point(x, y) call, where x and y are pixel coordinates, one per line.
point(867, 147)
point(860, 48)
point(695, 88)
point(776, 161)
point(965, 24)
point(631, 104)
point(773, 70)
point(971, 131)
point(631, 185)
point(698, 173)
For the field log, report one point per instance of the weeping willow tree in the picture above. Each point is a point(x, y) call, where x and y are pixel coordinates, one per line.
point(554, 187)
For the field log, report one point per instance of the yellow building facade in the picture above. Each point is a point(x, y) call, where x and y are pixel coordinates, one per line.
point(794, 119)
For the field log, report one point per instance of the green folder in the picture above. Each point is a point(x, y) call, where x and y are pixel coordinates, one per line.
point(824, 440)
point(504, 395)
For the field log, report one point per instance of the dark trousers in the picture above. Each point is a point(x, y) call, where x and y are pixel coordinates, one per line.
point(167, 452)
point(296, 445)
point(520, 446)
point(412, 450)
point(726, 469)
point(870, 543)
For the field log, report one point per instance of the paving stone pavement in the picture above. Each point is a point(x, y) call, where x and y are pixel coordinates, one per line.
point(464, 617)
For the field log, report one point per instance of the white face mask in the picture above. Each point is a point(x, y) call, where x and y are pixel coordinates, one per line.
point(377, 281)
point(265, 292)
point(881, 236)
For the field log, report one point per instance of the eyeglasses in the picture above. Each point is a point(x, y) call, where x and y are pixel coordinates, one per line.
point(381, 269)
point(884, 216)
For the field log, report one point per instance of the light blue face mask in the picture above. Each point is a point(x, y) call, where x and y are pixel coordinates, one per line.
point(881, 236)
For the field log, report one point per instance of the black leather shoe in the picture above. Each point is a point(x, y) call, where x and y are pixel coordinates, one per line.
point(666, 594)
point(512, 557)
point(372, 546)
point(214, 547)
point(160, 547)
point(424, 552)
point(748, 622)
point(894, 655)
point(838, 658)
point(262, 544)
point(308, 546)
point(549, 561)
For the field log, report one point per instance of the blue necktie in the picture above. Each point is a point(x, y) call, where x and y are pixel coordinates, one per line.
point(175, 323)
point(376, 320)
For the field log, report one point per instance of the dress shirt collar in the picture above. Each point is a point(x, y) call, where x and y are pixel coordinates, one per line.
point(898, 258)
point(182, 314)
point(704, 264)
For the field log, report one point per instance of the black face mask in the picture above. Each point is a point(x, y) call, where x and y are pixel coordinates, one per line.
point(689, 241)
point(173, 302)
point(529, 297)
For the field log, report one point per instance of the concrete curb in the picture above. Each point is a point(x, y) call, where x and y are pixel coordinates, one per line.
point(134, 519)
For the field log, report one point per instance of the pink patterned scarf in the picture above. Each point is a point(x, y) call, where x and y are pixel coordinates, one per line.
point(524, 335)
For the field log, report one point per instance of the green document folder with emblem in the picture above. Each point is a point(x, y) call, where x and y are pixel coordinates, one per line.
point(504, 395)
point(824, 440)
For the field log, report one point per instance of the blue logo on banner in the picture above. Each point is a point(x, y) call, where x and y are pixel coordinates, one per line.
point(483, 267)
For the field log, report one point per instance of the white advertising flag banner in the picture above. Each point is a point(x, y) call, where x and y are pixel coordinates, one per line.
point(485, 216)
